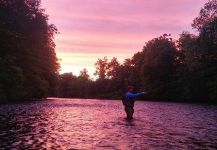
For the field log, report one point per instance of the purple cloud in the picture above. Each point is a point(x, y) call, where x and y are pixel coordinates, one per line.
point(116, 26)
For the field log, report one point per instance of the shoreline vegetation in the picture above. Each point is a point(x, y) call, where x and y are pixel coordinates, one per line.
point(183, 70)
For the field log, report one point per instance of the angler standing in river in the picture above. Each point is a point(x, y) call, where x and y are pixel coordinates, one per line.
point(129, 100)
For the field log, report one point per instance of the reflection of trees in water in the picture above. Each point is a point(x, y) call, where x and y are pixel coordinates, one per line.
point(101, 124)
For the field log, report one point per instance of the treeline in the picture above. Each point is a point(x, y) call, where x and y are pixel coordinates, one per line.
point(110, 82)
point(28, 63)
point(175, 70)
point(167, 69)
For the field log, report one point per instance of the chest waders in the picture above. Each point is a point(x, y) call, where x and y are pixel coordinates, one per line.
point(128, 107)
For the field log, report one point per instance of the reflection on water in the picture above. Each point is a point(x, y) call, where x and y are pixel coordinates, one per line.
point(94, 124)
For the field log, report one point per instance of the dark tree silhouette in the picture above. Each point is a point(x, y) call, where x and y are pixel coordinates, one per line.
point(207, 14)
point(29, 67)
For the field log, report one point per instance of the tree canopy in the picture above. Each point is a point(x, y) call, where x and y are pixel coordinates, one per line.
point(167, 69)
point(29, 66)
point(207, 14)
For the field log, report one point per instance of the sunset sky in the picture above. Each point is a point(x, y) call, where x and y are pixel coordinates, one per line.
point(92, 29)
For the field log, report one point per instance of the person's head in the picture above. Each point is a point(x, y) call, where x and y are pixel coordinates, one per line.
point(130, 88)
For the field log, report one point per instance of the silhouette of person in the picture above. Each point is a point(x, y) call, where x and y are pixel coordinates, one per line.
point(129, 100)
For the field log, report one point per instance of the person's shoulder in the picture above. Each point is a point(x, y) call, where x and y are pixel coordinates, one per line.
point(129, 94)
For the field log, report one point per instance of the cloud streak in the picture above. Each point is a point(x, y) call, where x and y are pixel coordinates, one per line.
point(115, 26)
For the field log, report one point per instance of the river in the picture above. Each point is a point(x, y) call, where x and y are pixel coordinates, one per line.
point(101, 124)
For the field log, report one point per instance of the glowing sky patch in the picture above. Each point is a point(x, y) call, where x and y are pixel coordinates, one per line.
point(92, 29)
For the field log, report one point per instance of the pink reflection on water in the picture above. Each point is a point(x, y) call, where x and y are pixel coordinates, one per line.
point(100, 124)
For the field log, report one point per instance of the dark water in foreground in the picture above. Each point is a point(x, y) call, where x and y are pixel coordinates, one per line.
point(94, 124)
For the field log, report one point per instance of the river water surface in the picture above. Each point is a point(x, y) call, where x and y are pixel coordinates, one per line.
point(101, 124)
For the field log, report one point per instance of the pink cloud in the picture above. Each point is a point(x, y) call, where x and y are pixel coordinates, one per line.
point(116, 26)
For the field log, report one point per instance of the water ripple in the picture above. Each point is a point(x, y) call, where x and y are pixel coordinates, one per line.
point(94, 124)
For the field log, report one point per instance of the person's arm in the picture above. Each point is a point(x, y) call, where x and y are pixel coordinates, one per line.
point(132, 95)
